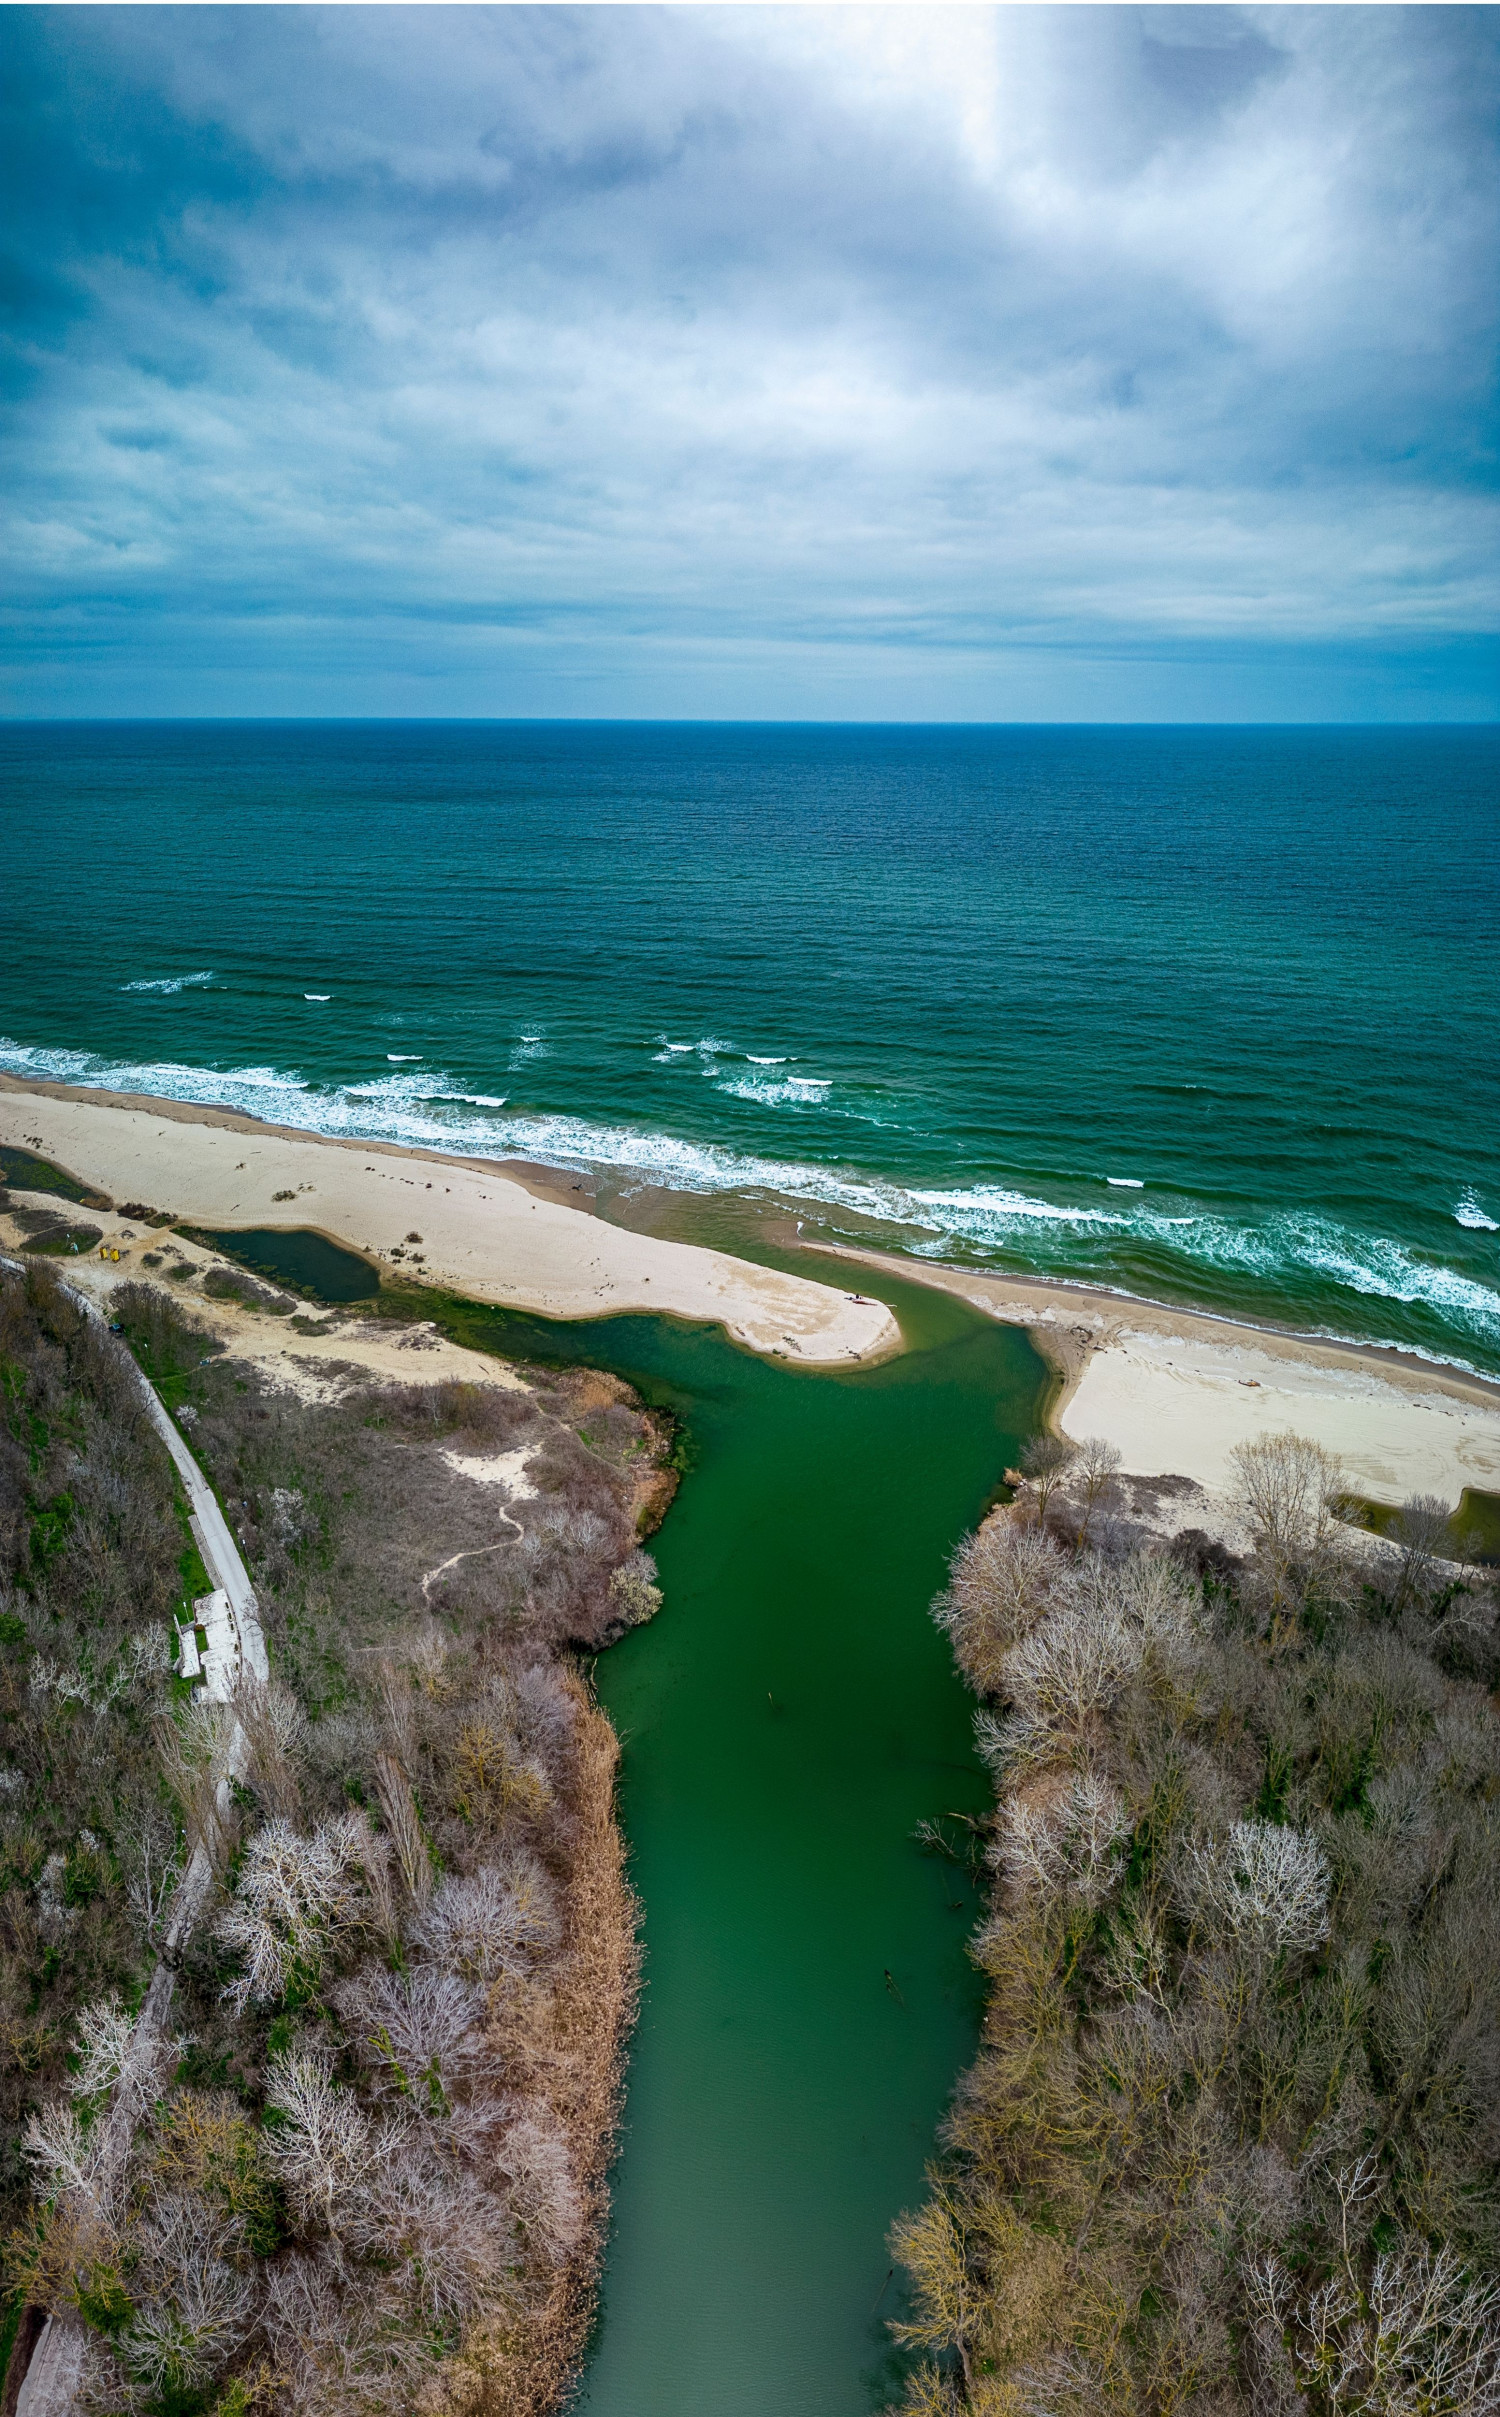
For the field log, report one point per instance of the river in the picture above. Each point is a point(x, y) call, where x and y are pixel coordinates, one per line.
point(787, 1720)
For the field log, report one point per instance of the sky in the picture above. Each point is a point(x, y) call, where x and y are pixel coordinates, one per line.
point(1030, 364)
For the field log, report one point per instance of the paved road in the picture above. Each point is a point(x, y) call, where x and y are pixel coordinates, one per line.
point(52, 2379)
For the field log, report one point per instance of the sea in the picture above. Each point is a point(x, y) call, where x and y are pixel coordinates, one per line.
point(1208, 1015)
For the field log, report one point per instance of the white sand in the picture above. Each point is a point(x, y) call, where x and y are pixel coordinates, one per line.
point(1177, 1390)
point(507, 1469)
point(483, 1234)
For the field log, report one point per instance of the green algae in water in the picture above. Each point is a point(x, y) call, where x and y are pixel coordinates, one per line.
point(787, 1720)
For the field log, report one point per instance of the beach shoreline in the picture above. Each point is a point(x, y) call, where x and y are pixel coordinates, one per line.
point(510, 1235)
point(1176, 1390)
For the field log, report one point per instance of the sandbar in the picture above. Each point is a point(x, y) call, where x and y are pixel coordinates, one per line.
point(484, 1232)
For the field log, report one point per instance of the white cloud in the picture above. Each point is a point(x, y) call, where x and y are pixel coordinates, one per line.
point(739, 329)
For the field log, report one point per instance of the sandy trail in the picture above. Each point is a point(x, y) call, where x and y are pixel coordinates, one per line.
point(482, 1232)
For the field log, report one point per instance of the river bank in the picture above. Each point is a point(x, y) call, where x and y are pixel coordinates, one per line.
point(1175, 1389)
point(1178, 1390)
point(348, 1494)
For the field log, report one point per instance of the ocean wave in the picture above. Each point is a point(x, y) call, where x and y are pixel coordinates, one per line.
point(1467, 1211)
point(168, 985)
point(792, 1091)
point(1053, 1236)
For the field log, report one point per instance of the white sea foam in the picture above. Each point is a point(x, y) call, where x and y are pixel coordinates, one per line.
point(753, 1060)
point(319, 998)
point(1126, 1183)
point(403, 1107)
point(169, 984)
point(401, 1061)
point(792, 1091)
point(1468, 1212)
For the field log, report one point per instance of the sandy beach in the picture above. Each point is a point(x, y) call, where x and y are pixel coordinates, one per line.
point(1178, 1389)
point(483, 1232)
point(1175, 1389)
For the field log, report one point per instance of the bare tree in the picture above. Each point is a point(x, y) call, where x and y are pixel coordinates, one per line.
point(1288, 1488)
point(326, 2147)
point(1070, 1845)
point(148, 1849)
point(1423, 1532)
point(1097, 1465)
point(296, 1897)
point(1003, 1578)
point(399, 1810)
point(495, 1921)
point(274, 1725)
point(1071, 1666)
point(1046, 1461)
point(1268, 1885)
point(421, 2031)
point(194, 1751)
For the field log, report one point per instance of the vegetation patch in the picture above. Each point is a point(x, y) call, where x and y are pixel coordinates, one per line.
point(1230, 2143)
point(366, 2169)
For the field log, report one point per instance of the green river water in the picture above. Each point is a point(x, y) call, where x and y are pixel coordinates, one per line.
point(787, 1720)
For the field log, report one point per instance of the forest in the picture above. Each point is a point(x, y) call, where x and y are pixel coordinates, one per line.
point(364, 2169)
point(1232, 2140)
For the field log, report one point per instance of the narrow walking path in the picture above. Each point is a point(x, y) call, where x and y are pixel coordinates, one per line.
point(51, 2383)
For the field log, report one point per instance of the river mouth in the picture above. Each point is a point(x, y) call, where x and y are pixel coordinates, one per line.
point(787, 1720)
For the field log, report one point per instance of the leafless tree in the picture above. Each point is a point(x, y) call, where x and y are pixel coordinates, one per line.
point(1046, 1461)
point(1288, 1488)
point(274, 1725)
point(344, 2349)
point(1096, 1468)
point(398, 1808)
point(1072, 1665)
point(1424, 1533)
point(1003, 1578)
point(194, 1753)
point(194, 2306)
point(421, 2031)
point(327, 2146)
point(1267, 1884)
point(1424, 2336)
point(1068, 1845)
point(496, 1921)
point(295, 1898)
point(148, 1849)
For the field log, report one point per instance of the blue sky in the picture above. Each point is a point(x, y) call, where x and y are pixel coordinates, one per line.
point(1038, 364)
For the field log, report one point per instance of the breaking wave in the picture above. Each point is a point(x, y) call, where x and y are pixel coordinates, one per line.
point(1092, 1243)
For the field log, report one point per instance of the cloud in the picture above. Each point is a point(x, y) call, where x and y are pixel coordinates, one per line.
point(750, 360)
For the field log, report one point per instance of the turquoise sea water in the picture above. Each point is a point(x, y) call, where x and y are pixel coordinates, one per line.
point(1208, 1014)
